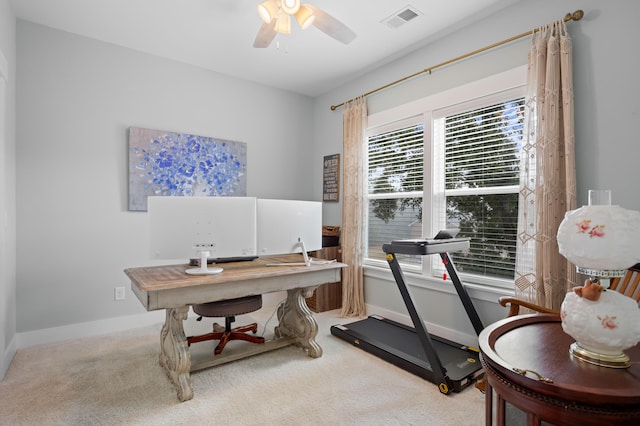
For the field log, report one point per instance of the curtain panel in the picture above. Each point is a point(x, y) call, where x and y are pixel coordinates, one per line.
point(354, 203)
point(548, 182)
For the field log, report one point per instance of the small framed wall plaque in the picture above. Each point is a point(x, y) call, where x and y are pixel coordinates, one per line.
point(331, 178)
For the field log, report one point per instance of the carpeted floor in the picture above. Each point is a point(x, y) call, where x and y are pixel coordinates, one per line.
point(117, 380)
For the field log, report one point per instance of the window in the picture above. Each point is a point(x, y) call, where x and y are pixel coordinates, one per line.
point(395, 186)
point(481, 183)
point(455, 165)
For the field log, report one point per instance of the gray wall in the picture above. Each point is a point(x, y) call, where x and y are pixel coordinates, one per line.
point(7, 186)
point(606, 87)
point(77, 97)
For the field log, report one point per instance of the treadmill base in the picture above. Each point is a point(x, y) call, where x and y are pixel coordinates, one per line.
point(399, 344)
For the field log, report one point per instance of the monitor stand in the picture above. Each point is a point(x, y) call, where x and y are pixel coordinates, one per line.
point(203, 269)
point(307, 260)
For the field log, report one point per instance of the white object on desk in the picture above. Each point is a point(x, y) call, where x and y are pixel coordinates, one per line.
point(203, 269)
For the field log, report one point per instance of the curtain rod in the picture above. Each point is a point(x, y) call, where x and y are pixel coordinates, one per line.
point(575, 16)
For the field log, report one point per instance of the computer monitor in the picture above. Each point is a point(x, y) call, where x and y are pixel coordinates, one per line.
point(182, 227)
point(289, 226)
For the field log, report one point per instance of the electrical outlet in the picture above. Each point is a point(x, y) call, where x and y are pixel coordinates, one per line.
point(119, 293)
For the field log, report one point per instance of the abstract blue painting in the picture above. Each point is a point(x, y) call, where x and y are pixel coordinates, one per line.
point(167, 163)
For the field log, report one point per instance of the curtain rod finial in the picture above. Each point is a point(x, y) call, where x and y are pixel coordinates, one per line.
point(575, 16)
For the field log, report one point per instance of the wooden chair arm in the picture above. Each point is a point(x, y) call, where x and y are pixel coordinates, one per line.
point(514, 306)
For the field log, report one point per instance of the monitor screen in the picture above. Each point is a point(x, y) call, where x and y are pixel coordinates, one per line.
point(181, 227)
point(283, 224)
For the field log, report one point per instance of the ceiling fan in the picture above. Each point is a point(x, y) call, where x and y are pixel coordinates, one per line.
point(277, 17)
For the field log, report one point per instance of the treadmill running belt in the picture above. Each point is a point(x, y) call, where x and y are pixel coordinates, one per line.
point(399, 344)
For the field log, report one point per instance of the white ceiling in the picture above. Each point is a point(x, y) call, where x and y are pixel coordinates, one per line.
point(219, 34)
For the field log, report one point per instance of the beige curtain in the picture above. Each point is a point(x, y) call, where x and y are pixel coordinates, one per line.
point(548, 183)
point(354, 203)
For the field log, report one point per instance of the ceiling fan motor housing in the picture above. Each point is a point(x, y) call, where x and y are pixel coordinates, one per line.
point(290, 7)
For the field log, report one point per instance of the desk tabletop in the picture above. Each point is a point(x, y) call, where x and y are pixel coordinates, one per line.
point(537, 343)
point(150, 278)
point(169, 286)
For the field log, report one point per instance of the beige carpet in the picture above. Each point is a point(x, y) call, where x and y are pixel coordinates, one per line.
point(117, 380)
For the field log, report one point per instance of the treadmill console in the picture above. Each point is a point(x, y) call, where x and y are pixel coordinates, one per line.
point(444, 241)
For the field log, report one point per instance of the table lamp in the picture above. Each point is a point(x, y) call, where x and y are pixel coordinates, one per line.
point(603, 241)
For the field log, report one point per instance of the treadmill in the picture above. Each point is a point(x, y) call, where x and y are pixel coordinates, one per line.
point(450, 365)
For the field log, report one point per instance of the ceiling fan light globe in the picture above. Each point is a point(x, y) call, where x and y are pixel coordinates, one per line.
point(290, 7)
point(305, 17)
point(268, 10)
point(283, 24)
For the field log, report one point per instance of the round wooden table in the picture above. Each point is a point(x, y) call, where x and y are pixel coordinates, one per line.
point(527, 364)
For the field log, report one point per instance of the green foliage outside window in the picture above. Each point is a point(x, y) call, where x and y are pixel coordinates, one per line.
point(482, 158)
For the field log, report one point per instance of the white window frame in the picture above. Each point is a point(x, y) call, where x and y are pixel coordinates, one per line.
point(511, 82)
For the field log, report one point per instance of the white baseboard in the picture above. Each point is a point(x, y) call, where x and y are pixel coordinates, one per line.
point(88, 329)
point(8, 355)
point(112, 325)
point(106, 326)
point(435, 329)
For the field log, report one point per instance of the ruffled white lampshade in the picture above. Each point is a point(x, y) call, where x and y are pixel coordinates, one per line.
point(601, 238)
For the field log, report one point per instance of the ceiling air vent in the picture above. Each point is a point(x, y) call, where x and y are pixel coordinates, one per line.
point(402, 16)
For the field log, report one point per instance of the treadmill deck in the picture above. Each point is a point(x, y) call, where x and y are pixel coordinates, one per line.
point(399, 344)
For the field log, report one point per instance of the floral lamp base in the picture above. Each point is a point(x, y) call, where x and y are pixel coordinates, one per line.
point(603, 329)
point(604, 360)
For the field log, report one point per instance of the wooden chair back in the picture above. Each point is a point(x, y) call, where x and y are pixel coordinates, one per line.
point(629, 285)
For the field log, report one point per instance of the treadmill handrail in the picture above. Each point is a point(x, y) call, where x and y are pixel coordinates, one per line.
point(419, 247)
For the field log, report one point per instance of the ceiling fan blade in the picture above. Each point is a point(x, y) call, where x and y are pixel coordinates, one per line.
point(331, 26)
point(266, 34)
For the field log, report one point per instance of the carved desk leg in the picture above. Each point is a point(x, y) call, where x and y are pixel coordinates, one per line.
point(297, 321)
point(174, 352)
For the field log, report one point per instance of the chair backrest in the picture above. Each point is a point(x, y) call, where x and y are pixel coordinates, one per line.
point(629, 285)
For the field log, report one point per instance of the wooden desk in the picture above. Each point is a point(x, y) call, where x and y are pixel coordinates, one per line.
point(170, 288)
point(579, 394)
